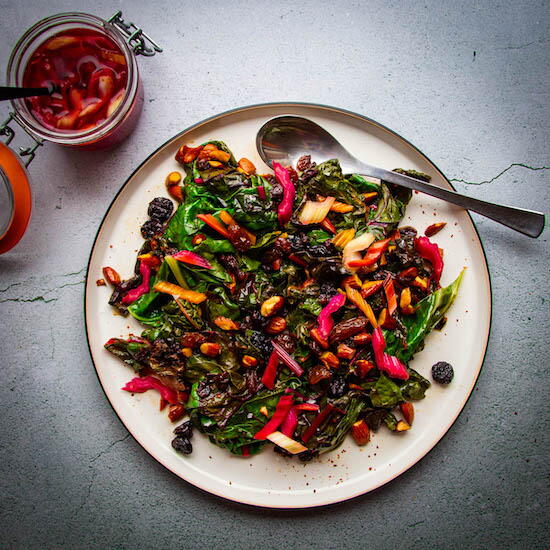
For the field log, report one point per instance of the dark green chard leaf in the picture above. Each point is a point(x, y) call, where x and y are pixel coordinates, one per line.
point(265, 240)
point(248, 208)
point(363, 185)
point(185, 222)
point(415, 387)
point(198, 367)
point(331, 435)
point(246, 263)
point(173, 323)
point(385, 393)
point(429, 312)
point(213, 246)
point(142, 309)
point(221, 183)
point(318, 236)
point(389, 212)
point(222, 307)
point(330, 182)
point(246, 419)
point(129, 352)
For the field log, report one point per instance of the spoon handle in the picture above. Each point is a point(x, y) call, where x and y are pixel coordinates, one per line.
point(528, 222)
point(7, 92)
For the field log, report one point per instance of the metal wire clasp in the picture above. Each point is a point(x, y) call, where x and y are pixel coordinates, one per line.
point(9, 132)
point(138, 40)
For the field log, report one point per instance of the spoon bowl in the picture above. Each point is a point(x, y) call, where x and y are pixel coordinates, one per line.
point(285, 139)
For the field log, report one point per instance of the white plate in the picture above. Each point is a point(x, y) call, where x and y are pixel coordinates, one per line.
point(269, 479)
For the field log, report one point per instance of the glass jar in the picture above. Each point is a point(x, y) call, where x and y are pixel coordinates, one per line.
point(130, 40)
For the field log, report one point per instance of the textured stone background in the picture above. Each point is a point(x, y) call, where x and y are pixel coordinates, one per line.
point(469, 84)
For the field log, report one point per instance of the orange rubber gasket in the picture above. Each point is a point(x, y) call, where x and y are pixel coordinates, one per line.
point(22, 202)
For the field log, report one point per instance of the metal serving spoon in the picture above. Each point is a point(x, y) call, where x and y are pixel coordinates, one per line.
point(285, 139)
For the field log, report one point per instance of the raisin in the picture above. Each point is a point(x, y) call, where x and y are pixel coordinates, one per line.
point(442, 372)
point(185, 430)
point(337, 387)
point(203, 390)
point(239, 238)
point(345, 329)
point(308, 455)
point(282, 245)
point(298, 242)
point(182, 445)
point(309, 174)
point(286, 341)
point(261, 342)
point(192, 339)
point(277, 192)
point(318, 373)
point(160, 209)
point(304, 163)
point(293, 175)
point(151, 228)
point(322, 250)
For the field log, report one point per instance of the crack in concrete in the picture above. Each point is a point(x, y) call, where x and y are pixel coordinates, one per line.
point(35, 299)
point(74, 273)
point(41, 298)
point(10, 286)
point(88, 492)
point(109, 447)
point(521, 46)
point(514, 164)
point(94, 472)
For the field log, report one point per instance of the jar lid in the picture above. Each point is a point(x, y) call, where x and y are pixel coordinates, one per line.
point(15, 199)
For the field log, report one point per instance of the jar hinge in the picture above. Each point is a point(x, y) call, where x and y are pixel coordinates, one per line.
point(137, 39)
point(9, 132)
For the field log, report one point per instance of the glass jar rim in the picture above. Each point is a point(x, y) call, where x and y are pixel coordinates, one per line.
point(30, 37)
point(6, 217)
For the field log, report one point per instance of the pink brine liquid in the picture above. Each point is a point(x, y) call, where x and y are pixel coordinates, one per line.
point(91, 73)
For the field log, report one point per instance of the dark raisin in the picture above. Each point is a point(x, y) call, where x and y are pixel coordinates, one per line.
point(298, 242)
point(407, 231)
point(185, 430)
point(304, 163)
point(293, 174)
point(442, 372)
point(309, 174)
point(348, 328)
point(282, 245)
point(151, 228)
point(286, 341)
point(239, 238)
point(203, 390)
point(277, 192)
point(337, 387)
point(327, 290)
point(308, 455)
point(182, 445)
point(318, 373)
point(321, 250)
point(192, 339)
point(160, 209)
point(261, 342)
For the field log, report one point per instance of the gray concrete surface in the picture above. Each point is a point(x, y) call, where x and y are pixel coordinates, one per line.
point(469, 84)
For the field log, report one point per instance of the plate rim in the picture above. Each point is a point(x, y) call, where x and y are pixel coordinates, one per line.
point(252, 107)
